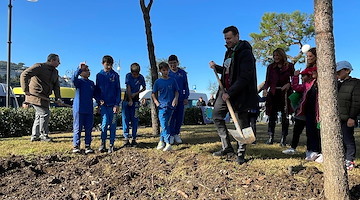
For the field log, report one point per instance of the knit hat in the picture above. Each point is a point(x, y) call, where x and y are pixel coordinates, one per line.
point(308, 71)
point(343, 65)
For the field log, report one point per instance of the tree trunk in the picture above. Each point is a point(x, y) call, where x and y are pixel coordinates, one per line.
point(154, 72)
point(335, 176)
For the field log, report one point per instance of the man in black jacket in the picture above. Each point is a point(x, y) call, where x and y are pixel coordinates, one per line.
point(239, 80)
point(349, 109)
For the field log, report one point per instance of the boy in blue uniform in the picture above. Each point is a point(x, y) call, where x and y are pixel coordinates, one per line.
point(167, 100)
point(178, 116)
point(130, 106)
point(107, 95)
point(83, 107)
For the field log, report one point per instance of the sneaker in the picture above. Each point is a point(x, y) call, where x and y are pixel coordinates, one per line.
point(223, 152)
point(172, 139)
point(126, 143)
point(320, 158)
point(111, 149)
point(178, 139)
point(160, 145)
point(102, 148)
point(240, 159)
point(33, 139)
point(349, 164)
point(270, 141)
point(76, 149)
point(46, 139)
point(312, 157)
point(167, 147)
point(289, 151)
point(134, 143)
point(307, 153)
point(88, 149)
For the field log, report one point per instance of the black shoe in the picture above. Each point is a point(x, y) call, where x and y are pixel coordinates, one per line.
point(46, 139)
point(223, 152)
point(134, 143)
point(240, 159)
point(102, 148)
point(34, 139)
point(270, 141)
point(126, 144)
point(111, 149)
point(283, 141)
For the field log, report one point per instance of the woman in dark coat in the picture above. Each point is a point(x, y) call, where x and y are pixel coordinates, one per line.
point(277, 89)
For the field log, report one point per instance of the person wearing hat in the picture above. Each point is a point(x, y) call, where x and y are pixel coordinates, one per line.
point(349, 108)
point(295, 98)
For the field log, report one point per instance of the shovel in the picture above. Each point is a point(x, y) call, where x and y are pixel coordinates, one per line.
point(244, 136)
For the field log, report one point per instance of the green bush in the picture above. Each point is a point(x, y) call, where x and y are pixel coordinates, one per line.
point(15, 122)
point(61, 119)
point(18, 122)
point(144, 116)
point(193, 116)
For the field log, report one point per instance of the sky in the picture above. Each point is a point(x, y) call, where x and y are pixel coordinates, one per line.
point(86, 30)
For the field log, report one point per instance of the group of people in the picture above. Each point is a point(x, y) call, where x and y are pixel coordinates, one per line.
point(283, 90)
point(284, 93)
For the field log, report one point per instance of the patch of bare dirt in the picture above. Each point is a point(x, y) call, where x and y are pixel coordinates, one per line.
point(131, 174)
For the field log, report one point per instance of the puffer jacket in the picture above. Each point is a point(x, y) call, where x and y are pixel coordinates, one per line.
point(40, 81)
point(349, 98)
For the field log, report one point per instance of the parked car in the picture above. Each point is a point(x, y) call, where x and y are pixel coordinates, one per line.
point(13, 101)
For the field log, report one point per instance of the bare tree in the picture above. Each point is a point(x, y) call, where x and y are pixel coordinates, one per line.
point(335, 176)
point(151, 50)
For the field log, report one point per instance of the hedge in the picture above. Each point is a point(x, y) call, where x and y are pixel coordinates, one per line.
point(18, 122)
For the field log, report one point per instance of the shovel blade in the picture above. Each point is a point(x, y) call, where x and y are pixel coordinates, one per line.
point(247, 136)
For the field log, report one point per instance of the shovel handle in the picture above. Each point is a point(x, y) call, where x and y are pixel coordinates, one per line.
point(231, 110)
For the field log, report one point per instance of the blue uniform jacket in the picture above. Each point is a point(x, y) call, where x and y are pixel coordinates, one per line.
point(182, 82)
point(83, 101)
point(108, 88)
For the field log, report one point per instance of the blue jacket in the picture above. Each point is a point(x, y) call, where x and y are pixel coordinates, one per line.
point(182, 82)
point(108, 88)
point(83, 101)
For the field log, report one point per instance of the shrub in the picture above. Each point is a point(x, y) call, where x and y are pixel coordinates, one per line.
point(145, 116)
point(61, 119)
point(193, 116)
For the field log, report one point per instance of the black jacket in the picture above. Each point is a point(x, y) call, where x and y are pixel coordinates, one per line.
point(243, 83)
point(349, 99)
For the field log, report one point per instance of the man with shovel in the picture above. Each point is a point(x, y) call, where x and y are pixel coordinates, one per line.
point(237, 92)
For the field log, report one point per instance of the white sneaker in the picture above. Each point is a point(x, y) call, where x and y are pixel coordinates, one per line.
point(178, 139)
point(289, 151)
point(167, 147)
point(160, 145)
point(320, 158)
point(171, 139)
point(312, 157)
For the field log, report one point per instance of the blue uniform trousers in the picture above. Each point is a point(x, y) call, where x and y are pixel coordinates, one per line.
point(164, 118)
point(130, 114)
point(108, 119)
point(177, 119)
point(80, 121)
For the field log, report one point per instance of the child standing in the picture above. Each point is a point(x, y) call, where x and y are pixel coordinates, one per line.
point(130, 106)
point(349, 109)
point(167, 100)
point(107, 95)
point(178, 116)
point(83, 107)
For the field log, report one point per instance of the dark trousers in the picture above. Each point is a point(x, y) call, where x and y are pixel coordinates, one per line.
point(284, 123)
point(219, 113)
point(312, 133)
point(297, 130)
point(349, 141)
